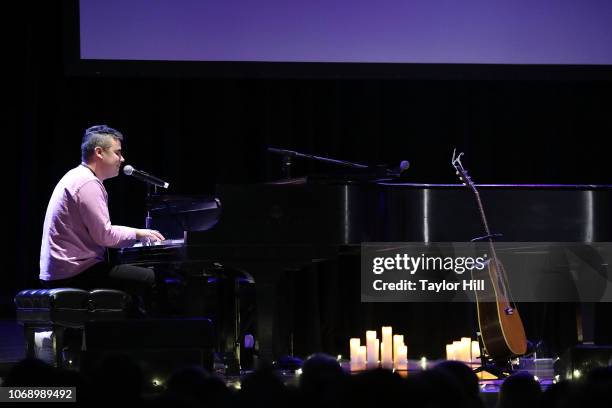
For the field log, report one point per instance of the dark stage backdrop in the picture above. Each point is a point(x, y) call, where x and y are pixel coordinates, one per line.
point(198, 132)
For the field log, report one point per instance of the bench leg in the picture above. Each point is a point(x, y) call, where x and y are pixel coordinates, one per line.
point(58, 345)
point(30, 346)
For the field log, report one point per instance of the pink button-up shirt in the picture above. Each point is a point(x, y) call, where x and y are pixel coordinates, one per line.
point(77, 226)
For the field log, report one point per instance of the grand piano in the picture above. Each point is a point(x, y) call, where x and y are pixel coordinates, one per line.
point(265, 230)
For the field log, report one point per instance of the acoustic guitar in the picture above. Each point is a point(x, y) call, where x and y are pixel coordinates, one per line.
point(501, 327)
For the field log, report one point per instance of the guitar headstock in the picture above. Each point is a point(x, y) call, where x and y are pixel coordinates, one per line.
point(462, 173)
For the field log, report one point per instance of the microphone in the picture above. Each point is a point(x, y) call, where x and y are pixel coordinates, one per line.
point(143, 176)
point(400, 170)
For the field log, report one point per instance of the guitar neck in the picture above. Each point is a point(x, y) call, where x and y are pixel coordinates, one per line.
point(483, 217)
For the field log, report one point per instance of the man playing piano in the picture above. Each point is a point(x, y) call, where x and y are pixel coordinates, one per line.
point(77, 228)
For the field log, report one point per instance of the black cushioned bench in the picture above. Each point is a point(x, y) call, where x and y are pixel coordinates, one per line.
point(58, 309)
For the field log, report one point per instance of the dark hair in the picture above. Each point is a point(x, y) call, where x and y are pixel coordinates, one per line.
point(98, 136)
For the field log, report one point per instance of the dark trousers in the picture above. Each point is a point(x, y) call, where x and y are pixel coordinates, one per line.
point(137, 281)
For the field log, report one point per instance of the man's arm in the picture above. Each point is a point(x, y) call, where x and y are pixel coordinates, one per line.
point(93, 208)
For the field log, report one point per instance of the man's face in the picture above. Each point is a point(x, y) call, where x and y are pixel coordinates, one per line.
point(111, 159)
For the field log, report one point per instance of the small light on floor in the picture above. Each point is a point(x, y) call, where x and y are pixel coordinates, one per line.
point(339, 357)
point(424, 363)
point(298, 371)
point(156, 382)
point(576, 374)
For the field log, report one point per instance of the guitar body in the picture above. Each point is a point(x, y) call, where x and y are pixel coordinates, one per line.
point(502, 333)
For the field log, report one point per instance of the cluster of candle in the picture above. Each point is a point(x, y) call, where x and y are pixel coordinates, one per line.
point(466, 350)
point(391, 353)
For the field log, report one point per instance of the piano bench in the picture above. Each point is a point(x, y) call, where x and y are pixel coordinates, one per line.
point(55, 310)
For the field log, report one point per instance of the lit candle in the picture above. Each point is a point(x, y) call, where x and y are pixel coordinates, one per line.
point(387, 334)
point(362, 357)
point(466, 344)
point(385, 360)
point(398, 340)
point(386, 348)
point(475, 352)
point(354, 347)
point(359, 363)
point(450, 352)
point(402, 358)
point(372, 348)
point(457, 350)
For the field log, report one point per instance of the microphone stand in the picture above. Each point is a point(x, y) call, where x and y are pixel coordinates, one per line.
point(288, 156)
point(149, 219)
point(286, 166)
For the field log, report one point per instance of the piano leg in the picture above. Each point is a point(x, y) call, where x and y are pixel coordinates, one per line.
point(268, 324)
point(265, 293)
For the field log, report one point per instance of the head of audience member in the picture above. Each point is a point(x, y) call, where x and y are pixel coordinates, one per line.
point(322, 378)
point(30, 372)
point(195, 384)
point(520, 390)
point(596, 389)
point(437, 388)
point(465, 378)
point(376, 388)
point(120, 373)
point(262, 388)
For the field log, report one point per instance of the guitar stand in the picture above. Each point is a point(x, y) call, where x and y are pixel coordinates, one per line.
point(500, 369)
